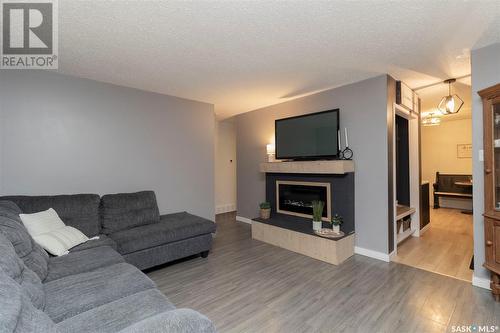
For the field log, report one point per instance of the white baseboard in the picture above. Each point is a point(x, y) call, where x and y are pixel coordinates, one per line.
point(243, 219)
point(226, 208)
point(372, 254)
point(481, 282)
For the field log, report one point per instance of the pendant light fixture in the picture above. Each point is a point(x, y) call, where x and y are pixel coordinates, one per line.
point(452, 103)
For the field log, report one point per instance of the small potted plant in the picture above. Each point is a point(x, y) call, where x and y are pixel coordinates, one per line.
point(265, 210)
point(317, 207)
point(336, 222)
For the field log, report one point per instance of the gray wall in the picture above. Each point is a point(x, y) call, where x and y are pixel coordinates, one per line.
point(1, 140)
point(69, 135)
point(485, 73)
point(363, 110)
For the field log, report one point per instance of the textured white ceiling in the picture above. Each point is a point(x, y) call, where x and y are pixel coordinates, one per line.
point(245, 55)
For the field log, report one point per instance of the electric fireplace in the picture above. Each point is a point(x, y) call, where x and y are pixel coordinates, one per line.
point(296, 197)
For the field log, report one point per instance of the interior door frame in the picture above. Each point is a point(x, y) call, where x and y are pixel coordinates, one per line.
point(415, 173)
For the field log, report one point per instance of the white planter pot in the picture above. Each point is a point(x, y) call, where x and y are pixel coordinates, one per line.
point(317, 225)
point(336, 229)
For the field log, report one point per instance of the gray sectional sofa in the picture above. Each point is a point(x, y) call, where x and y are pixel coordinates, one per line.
point(98, 286)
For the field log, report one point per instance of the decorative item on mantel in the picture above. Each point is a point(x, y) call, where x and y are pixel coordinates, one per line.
point(347, 153)
point(271, 152)
point(317, 207)
point(337, 220)
point(265, 210)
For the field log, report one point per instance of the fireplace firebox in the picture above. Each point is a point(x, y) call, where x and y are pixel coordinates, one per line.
point(295, 198)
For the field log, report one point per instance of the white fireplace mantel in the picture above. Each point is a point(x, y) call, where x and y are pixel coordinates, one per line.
point(320, 167)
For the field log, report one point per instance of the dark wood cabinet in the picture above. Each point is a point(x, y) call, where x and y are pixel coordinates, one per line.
point(491, 137)
point(492, 240)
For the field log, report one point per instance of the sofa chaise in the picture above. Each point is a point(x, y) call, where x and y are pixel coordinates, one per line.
point(98, 286)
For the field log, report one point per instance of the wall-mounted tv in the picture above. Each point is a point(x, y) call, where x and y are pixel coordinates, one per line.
point(308, 137)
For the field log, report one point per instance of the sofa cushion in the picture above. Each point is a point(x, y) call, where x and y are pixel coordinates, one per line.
point(127, 210)
point(80, 211)
point(103, 240)
point(82, 261)
point(17, 313)
point(37, 261)
point(161, 254)
point(15, 268)
point(9, 209)
point(178, 321)
point(50, 232)
point(30, 252)
point(116, 315)
point(172, 227)
point(74, 294)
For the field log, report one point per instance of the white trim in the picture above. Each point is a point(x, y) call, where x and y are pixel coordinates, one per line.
point(225, 208)
point(424, 229)
point(372, 254)
point(243, 219)
point(480, 282)
point(393, 255)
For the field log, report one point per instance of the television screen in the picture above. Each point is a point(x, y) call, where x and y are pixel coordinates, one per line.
point(311, 136)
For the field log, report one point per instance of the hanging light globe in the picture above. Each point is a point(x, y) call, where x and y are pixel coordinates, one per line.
point(451, 103)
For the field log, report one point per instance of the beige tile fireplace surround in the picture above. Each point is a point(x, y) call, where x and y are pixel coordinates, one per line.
point(328, 250)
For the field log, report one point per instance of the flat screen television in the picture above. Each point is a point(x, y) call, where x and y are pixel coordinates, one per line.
point(308, 137)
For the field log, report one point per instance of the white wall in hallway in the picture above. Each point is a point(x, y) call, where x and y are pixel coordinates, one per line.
point(225, 167)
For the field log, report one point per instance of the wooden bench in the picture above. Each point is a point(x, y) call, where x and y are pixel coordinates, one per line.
point(446, 186)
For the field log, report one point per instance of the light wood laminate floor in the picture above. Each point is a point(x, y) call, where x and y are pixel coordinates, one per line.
point(445, 248)
point(249, 286)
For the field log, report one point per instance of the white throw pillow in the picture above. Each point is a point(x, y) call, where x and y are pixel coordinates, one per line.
point(48, 230)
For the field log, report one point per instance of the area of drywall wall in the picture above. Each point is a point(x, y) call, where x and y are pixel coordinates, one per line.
point(69, 135)
point(225, 167)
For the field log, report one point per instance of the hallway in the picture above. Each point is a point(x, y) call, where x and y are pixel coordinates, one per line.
point(445, 248)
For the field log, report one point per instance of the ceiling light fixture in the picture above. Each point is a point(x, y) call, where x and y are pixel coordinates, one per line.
point(452, 103)
point(432, 119)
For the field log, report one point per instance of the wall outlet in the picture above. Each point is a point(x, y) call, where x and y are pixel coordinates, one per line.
point(481, 155)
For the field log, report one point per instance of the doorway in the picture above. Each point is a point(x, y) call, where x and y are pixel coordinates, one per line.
point(406, 175)
point(444, 244)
